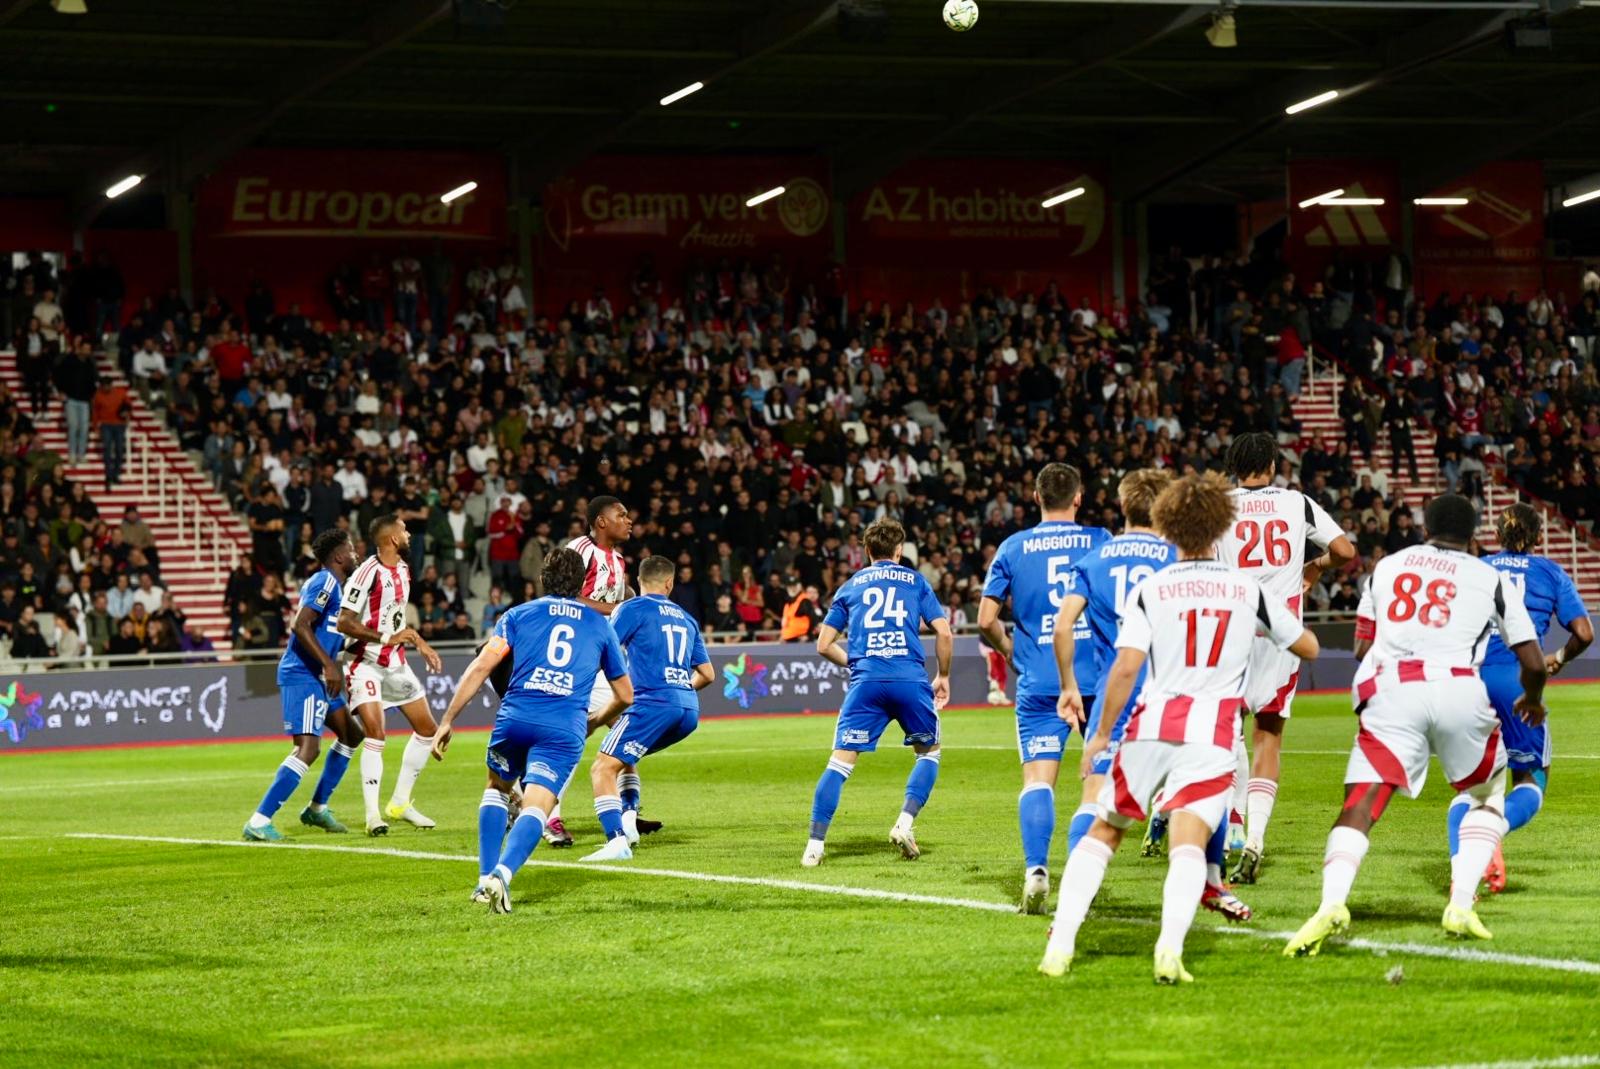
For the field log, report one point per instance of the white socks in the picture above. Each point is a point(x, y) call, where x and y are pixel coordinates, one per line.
point(1341, 862)
point(903, 822)
point(1186, 881)
point(372, 777)
point(1258, 800)
point(1481, 832)
point(411, 765)
point(1080, 882)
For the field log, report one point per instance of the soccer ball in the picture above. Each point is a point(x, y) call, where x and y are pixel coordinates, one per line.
point(961, 15)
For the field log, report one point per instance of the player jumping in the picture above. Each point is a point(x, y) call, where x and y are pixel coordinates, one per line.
point(1427, 612)
point(1194, 623)
point(605, 586)
point(1547, 592)
point(883, 606)
point(1268, 541)
point(312, 690)
point(557, 645)
point(373, 617)
point(1035, 568)
point(668, 666)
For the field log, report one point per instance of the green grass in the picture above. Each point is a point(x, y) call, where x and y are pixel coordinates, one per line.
point(131, 953)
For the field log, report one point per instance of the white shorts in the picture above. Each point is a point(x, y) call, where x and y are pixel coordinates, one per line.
point(1402, 723)
point(1149, 776)
point(393, 685)
point(1274, 677)
point(601, 695)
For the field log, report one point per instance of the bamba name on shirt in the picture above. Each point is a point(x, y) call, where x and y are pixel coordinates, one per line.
point(1432, 563)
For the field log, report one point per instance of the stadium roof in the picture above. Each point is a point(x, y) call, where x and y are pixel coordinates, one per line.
point(174, 86)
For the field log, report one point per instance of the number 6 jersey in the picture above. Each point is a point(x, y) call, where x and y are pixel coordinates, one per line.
point(1438, 607)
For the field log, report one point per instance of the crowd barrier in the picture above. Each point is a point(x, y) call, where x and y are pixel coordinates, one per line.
point(232, 701)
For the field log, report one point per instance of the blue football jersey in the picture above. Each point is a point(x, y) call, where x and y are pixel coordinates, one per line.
point(883, 607)
point(322, 593)
point(556, 646)
point(1104, 579)
point(664, 646)
point(1547, 592)
point(1035, 568)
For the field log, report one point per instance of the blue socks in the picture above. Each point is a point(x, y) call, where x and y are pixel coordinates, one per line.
point(1217, 848)
point(1452, 821)
point(1522, 803)
point(1036, 817)
point(826, 800)
point(628, 790)
point(1082, 821)
point(283, 785)
point(525, 835)
point(491, 829)
point(919, 785)
point(333, 769)
point(608, 807)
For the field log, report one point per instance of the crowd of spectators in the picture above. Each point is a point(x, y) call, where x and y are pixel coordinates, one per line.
point(754, 427)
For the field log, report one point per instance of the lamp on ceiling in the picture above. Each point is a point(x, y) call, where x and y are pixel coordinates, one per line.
point(1223, 31)
point(69, 7)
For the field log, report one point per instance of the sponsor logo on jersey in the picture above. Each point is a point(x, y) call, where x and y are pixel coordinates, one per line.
point(1043, 744)
point(635, 749)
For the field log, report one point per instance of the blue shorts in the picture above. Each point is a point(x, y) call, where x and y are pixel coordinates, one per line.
point(1102, 763)
point(1041, 733)
point(870, 706)
point(647, 727)
point(1527, 748)
point(306, 706)
point(540, 755)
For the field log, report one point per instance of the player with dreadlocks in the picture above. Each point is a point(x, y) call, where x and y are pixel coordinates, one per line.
point(1547, 593)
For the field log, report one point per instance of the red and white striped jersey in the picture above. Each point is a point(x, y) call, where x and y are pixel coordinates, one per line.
point(1196, 621)
point(606, 573)
point(1268, 538)
point(1437, 607)
point(378, 593)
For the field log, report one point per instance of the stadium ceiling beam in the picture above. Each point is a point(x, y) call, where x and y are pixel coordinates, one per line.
point(203, 143)
point(1158, 161)
point(863, 162)
point(1428, 171)
point(537, 161)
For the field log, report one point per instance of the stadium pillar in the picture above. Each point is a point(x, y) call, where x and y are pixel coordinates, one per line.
point(526, 217)
point(180, 218)
point(1141, 244)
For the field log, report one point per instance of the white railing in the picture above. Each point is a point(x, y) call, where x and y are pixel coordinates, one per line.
point(176, 499)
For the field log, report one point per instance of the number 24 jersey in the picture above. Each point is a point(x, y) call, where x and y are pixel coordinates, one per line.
point(883, 607)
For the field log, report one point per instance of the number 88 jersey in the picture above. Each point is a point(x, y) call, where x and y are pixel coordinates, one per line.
point(1268, 538)
point(1437, 606)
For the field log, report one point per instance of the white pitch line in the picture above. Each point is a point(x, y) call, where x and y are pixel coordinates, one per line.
point(152, 781)
point(1566, 1061)
point(1421, 949)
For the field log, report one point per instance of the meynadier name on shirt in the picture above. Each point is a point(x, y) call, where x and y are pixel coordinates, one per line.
point(884, 571)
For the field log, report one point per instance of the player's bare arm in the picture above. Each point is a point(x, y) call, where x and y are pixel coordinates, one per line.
point(704, 676)
point(1069, 706)
point(1530, 707)
point(352, 626)
point(604, 608)
point(828, 647)
point(944, 644)
point(621, 698)
point(990, 627)
point(1340, 551)
point(1119, 683)
point(472, 681)
point(1306, 647)
point(304, 629)
point(1580, 633)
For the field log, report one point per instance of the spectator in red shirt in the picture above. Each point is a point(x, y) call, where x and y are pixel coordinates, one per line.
point(505, 544)
point(232, 361)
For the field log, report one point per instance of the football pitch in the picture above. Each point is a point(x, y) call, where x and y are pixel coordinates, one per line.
point(143, 932)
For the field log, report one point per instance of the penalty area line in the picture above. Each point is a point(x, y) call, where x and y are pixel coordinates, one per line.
point(1565, 1061)
point(1488, 957)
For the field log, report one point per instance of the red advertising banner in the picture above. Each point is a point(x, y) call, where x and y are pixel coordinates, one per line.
point(1495, 241)
point(1319, 234)
point(950, 227)
point(301, 193)
point(675, 208)
point(980, 213)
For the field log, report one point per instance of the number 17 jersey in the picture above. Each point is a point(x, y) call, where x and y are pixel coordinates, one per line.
point(883, 607)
